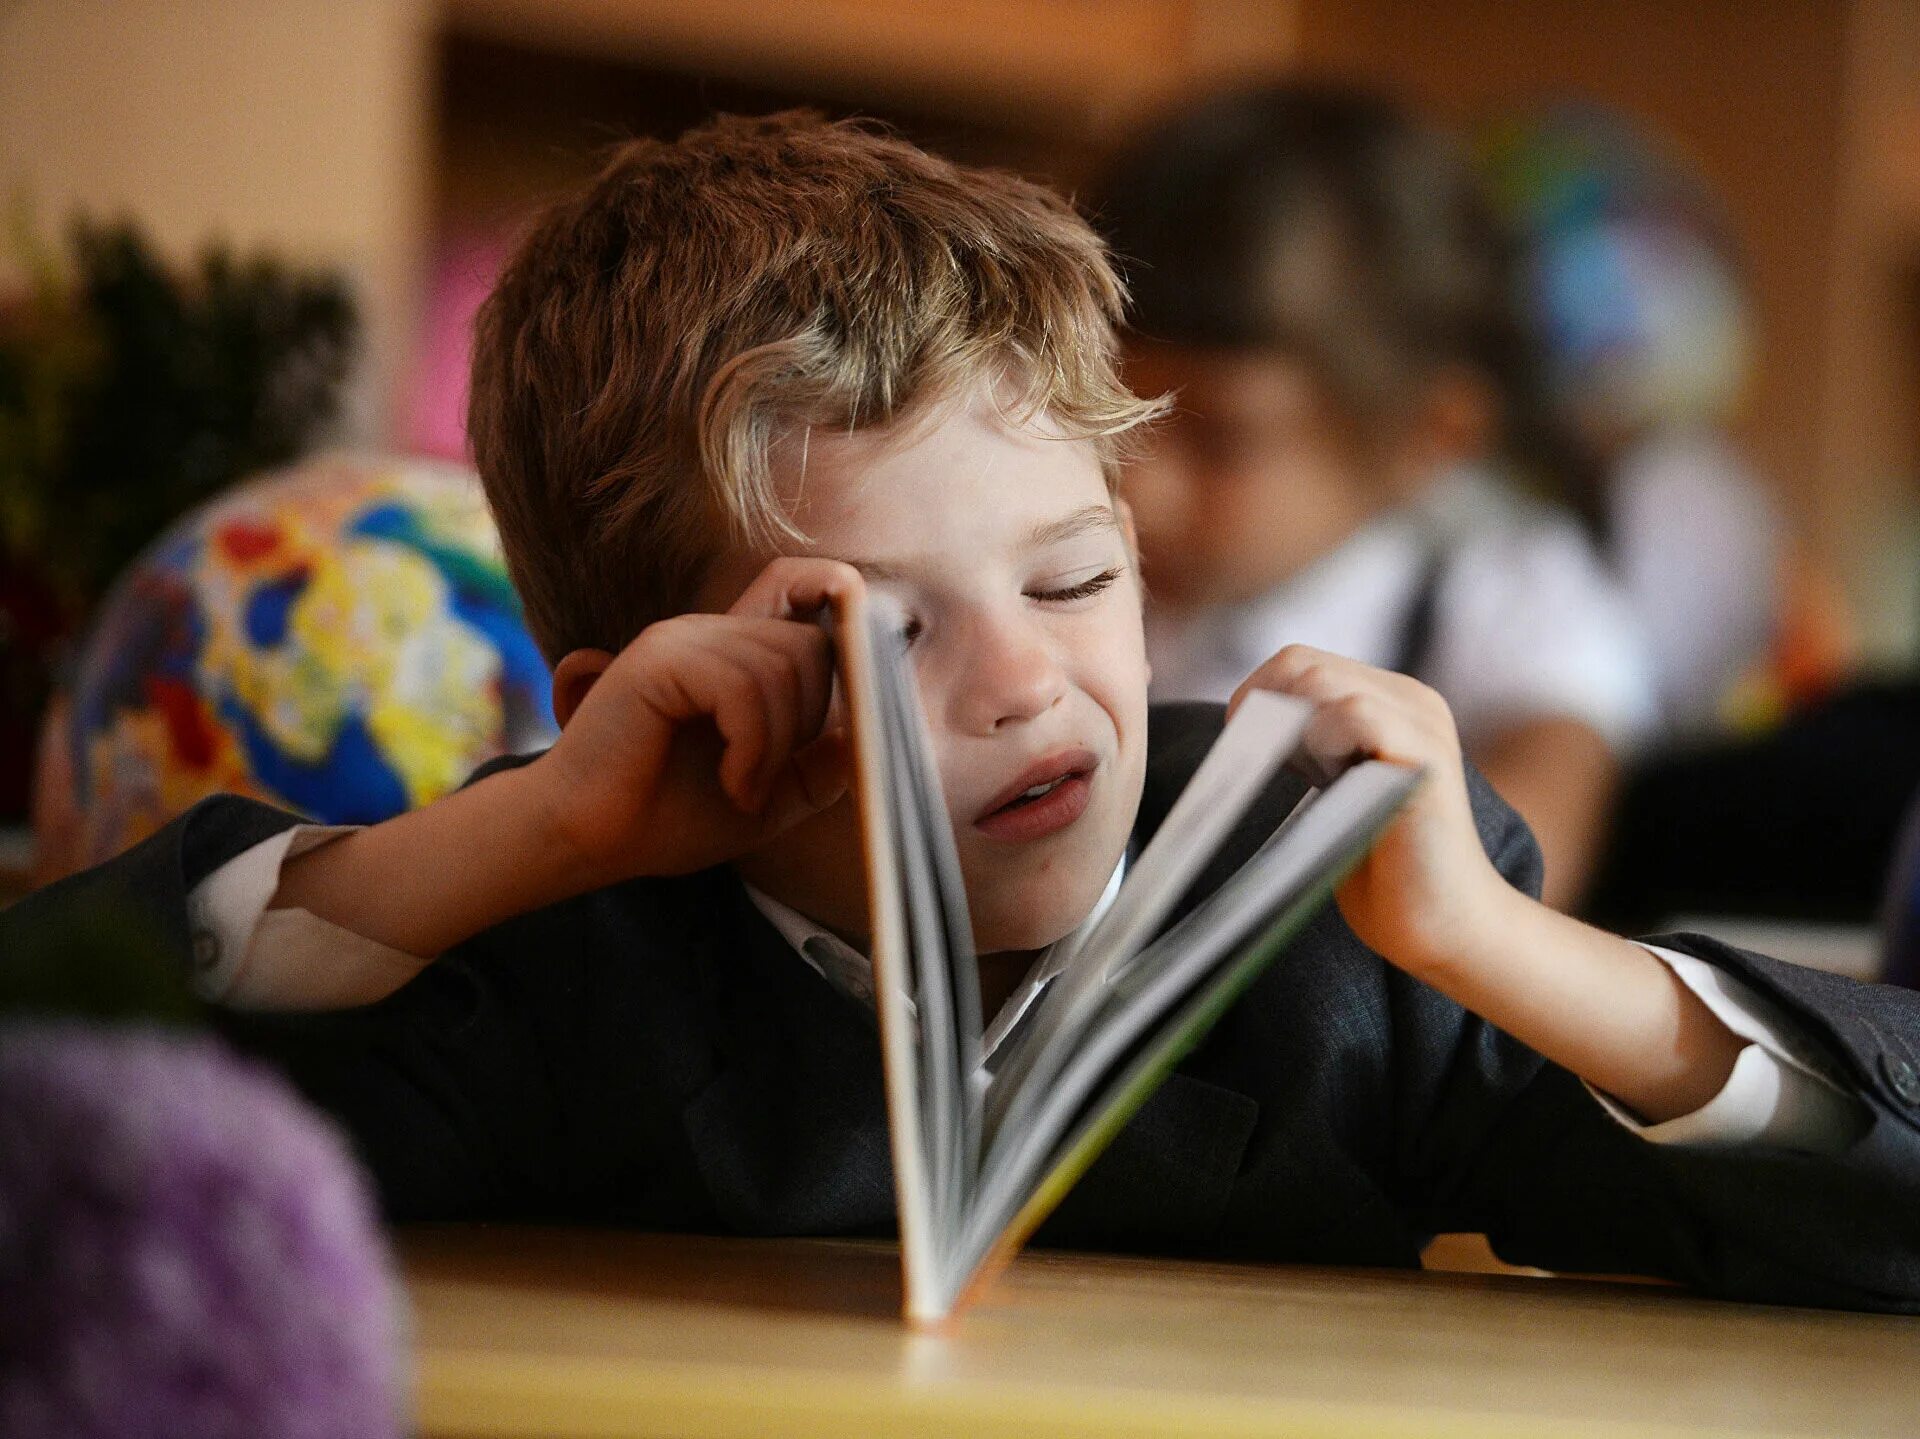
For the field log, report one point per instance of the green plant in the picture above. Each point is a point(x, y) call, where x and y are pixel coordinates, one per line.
point(128, 393)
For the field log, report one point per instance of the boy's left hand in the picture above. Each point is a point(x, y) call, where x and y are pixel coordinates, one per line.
point(1427, 899)
point(1426, 892)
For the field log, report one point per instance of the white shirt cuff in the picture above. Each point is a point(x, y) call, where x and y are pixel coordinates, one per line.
point(1782, 1091)
point(247, 956)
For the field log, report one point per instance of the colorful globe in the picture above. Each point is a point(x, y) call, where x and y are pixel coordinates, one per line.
point(1628, 269)
point(339, 639)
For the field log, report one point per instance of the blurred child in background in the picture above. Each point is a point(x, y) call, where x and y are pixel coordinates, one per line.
point(1778, 781)
point(1321, 282)
point(1647, 334)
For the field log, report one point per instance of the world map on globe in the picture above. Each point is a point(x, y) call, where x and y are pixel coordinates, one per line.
point(340, 639)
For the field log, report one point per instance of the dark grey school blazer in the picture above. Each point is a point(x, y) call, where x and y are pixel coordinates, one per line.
point(655, 1055)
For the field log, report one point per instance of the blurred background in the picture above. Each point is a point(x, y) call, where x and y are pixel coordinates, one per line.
point(241, 246)
point(400, 139)
point(391, 147)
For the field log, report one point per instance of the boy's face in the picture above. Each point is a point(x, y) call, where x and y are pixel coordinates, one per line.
point(1010, 561)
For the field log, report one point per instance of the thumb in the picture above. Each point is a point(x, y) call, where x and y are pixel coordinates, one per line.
point(814, 777)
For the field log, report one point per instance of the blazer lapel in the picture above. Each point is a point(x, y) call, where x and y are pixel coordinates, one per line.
point(790, 1135)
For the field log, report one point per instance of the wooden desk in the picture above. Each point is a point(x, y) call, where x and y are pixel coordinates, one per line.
point(587, 1333)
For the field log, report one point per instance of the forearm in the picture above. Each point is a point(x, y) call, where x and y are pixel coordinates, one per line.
point(424, 881)
point(1593, 1003)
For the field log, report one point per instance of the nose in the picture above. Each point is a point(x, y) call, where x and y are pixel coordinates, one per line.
point(1007, 673)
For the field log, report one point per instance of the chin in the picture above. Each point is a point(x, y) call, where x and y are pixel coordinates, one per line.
point(1035, 919)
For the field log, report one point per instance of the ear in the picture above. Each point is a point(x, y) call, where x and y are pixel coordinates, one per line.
point(573, 677)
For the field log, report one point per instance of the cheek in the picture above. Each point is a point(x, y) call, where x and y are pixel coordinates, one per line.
point(1119, 688)
point(1109, 650)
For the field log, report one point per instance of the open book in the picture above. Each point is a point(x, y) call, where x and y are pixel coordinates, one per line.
point(982, 1154)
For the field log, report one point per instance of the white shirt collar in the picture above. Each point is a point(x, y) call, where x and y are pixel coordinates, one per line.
point(851, 972)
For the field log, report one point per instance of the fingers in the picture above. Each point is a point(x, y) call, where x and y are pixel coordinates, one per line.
point(792, 587)
point(793, 668)
point(765, 684)
point(1354, 727)
point(1360, 712)
point(814, 776)
point(760, 672)
point(1321, 675)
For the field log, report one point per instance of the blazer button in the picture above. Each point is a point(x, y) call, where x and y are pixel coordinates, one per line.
point(1902, 1077)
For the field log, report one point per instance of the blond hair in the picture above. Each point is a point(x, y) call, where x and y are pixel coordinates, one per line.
point(655, 335)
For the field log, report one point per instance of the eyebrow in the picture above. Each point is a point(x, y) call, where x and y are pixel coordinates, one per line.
point(1047, 532)
point(1067, 527)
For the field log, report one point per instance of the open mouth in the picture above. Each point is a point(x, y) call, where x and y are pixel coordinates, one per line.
point(1039, 791)
point(1047, 798)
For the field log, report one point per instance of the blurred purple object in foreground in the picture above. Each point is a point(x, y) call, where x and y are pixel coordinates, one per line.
point(185, 1249)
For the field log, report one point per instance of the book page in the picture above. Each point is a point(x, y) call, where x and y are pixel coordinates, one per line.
point(850, 627)
point(1256, 742)
point(926, 978)
point(945, 974)
point(1174, 992)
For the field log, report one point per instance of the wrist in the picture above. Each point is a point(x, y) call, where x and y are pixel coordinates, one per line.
point(1477, 920)
point(430, 878)
point(557, 860)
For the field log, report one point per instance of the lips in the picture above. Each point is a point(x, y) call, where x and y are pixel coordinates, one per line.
point(1048, 795)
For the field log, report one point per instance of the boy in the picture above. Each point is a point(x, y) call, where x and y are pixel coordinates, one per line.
point(781, 357)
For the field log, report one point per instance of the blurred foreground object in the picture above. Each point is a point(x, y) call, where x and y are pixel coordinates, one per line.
point(340, 639)
point(128, 393)
point(185, 1248)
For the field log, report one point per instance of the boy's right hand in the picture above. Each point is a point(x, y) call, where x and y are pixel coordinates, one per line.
point(706, 736)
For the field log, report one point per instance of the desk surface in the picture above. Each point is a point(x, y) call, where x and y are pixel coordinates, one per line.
point(587, 1333)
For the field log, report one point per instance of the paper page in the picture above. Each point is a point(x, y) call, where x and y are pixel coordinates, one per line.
point(946, 984)
point(893, 978)
point(1192, 975)
point(926, 977)
point(1256, 742)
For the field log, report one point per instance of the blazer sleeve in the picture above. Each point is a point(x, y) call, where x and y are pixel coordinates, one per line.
point(446, 1093)
point(1492, 1138)
point(147, 886)
point(537, 1071)
point(440, 1089)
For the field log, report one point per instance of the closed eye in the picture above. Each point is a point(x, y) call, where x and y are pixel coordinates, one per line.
point(1086, 589)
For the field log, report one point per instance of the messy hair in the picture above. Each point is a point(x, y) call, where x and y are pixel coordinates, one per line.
point(656, 335)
